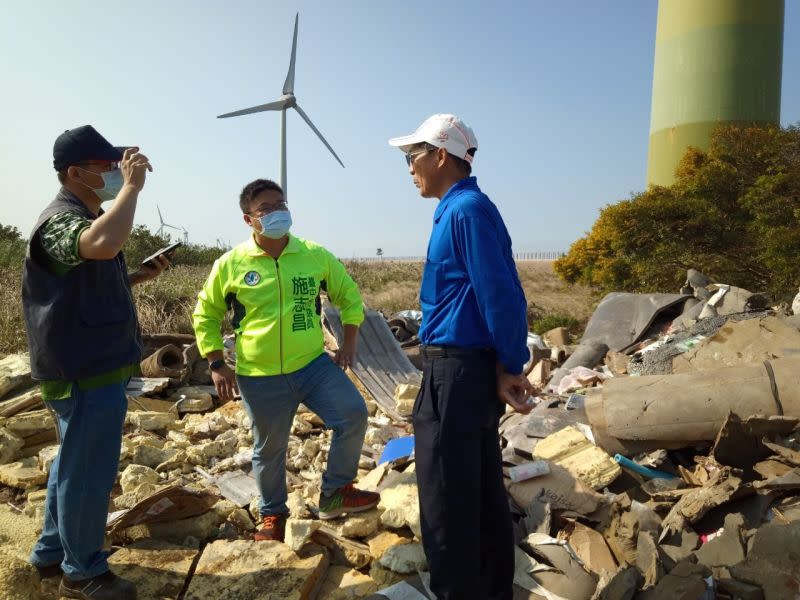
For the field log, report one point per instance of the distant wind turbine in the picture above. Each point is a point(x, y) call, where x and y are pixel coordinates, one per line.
point(286, 101)
point(161, 232)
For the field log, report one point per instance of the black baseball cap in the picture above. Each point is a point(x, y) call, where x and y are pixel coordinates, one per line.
point(82, 144)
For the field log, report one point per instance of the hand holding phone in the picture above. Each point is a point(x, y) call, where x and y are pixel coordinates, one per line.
point(168, 250)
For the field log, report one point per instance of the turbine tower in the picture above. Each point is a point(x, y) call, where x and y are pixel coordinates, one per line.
point(282, 104)
point(716, 62)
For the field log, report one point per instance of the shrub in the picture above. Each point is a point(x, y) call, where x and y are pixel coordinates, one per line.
point(733, 213)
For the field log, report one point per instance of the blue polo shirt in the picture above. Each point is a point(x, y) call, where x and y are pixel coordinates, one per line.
point(471, 295)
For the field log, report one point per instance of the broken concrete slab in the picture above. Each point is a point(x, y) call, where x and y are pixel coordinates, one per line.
point(150, 420)
point(299, 531)
point(30, 423)
point(343, 552)
point(23, 474)
point(135, 475)
point(269, 570)
point(15, 370)
point(404, 558)
point(357, 525)
point(400, 503)
point(405, 395)
point(10, 446)
point(380, 541)
point(343, 583)
point(158, 569)
point(560, 488)
point(570, 449)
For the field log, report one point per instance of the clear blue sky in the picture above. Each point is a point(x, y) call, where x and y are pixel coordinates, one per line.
point(558, 94)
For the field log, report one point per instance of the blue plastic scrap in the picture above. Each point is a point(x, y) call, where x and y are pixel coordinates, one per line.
point(397, 448)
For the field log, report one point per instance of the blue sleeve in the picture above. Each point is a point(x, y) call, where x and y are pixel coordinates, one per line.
point(501, 300)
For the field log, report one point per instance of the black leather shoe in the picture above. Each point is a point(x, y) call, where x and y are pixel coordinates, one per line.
point(103, 587)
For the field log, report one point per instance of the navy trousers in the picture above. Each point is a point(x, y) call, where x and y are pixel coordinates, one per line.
point(465, 517)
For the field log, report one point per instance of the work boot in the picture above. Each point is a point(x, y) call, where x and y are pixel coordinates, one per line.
point(274, 528)
point(345, 500)
point(103, 587)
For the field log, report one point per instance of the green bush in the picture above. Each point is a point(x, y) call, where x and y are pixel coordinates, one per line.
point(733, 213)
point(551, 321)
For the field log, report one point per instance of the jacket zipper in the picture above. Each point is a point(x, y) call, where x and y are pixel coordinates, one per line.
point(280, 313)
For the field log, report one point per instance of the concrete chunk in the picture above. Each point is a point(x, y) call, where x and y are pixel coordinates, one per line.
point(233, 570)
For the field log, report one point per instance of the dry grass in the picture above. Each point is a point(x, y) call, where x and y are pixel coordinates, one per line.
point(166, 304)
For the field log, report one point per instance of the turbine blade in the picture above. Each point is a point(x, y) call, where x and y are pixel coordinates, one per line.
point(319, 135)
point(277, 105)
point(288, 85)
point(160, 218)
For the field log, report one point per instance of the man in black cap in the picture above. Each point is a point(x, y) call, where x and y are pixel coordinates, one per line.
point(84, 342)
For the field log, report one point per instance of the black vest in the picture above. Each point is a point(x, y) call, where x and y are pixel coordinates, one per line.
point(83, 323)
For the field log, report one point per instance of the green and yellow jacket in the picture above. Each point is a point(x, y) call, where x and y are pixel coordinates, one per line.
point(276, 305)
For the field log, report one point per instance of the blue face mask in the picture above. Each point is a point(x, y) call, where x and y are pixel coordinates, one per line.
point(112, 184)
point(276, 224)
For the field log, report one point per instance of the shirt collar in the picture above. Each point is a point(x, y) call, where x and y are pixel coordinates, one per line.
point(254, 249)
point(468, 183)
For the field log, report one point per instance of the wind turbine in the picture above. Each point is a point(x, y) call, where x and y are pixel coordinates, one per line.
point(285, 102)
point(164, 225)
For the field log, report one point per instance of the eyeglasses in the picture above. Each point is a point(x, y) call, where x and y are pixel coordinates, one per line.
point(412, 156)
point(265, 209)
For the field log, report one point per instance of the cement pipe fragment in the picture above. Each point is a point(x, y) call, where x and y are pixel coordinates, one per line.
point(691, 407)
point(167, 361)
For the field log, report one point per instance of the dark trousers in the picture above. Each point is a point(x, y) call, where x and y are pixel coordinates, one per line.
point(465, 518)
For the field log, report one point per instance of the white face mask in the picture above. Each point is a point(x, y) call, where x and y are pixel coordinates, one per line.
point(276, 224)
point(112, 184)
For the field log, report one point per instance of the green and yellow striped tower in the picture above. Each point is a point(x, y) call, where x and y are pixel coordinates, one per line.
point(717, 61)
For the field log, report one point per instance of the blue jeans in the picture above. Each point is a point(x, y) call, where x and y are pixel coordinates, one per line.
point(81, 477)
point(272, 403)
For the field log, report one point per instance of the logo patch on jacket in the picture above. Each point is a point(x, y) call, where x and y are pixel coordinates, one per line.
point(252, 278)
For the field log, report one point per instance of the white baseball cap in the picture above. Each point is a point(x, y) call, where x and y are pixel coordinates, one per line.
point(443, 131)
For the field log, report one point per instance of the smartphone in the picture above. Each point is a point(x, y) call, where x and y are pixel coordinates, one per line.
point(168, 250)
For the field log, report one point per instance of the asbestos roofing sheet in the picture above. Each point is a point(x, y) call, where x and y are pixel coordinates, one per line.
point(621, 319)
point(380, 365)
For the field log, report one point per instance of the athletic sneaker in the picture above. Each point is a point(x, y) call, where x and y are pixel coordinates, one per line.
point(103, 587)
point(274, 528)
point(345, 500)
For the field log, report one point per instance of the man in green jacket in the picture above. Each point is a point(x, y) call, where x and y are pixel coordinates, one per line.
point(272, 283)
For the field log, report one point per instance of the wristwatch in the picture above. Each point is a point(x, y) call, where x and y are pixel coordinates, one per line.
point(215, 365)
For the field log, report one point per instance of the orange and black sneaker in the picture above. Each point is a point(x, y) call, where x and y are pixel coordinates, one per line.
point(345, 500)
point(273, 528)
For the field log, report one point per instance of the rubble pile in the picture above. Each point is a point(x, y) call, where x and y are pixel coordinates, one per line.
point(185, 506)
point(662, 460)
point(695, 399)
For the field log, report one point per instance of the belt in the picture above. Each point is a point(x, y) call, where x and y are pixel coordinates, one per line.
point(455, 352)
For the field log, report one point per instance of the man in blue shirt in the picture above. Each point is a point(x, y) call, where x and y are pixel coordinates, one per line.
point(473, 334)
